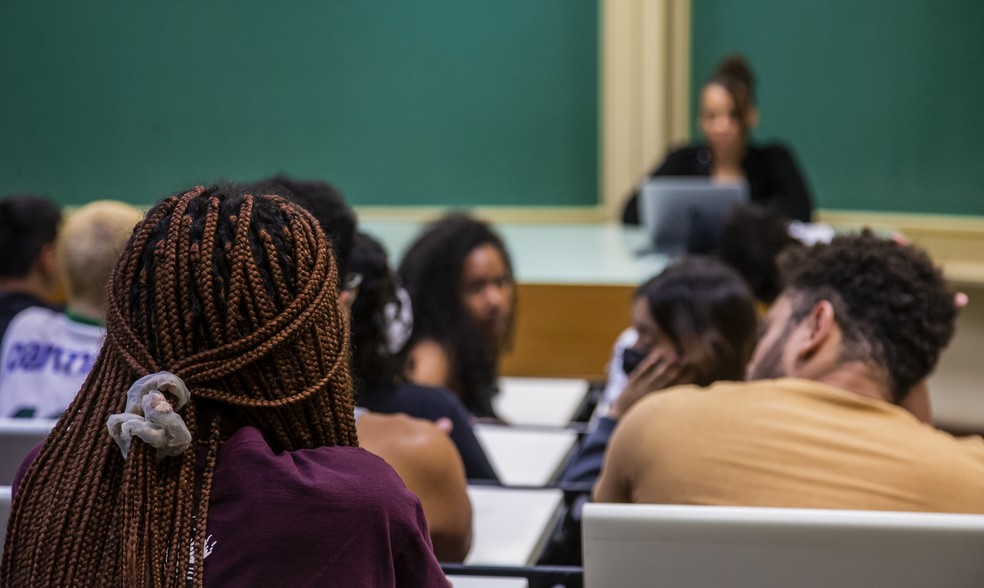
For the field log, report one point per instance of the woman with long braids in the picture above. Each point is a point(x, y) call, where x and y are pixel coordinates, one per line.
point(213, 443)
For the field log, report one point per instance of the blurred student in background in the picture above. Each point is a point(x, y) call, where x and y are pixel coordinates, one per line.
point(822, 421)
point(28, 266)
point(46, 354)
point(694, 323)
point(382, 322)
point(461, 284)
point(728, 116)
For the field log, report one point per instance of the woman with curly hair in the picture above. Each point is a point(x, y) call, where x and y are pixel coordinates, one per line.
point(214, 441)
point(382, 321)
point(460, 281)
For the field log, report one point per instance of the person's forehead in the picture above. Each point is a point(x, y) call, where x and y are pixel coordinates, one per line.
point(484, 258)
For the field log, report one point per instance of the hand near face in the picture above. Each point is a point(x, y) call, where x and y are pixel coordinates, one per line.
point(657, 371)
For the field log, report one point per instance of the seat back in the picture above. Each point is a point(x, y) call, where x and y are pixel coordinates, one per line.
point(631, 545)
point(17, 438)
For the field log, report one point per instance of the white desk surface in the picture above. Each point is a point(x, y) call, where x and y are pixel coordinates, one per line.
point(542, 253)
point(526, 457)
point(487, 582)
point(510, 526)
point(548, 402)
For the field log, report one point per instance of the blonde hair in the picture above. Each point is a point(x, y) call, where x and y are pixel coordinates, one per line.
point(88, 245)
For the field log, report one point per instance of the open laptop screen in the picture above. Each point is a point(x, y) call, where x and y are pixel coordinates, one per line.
point(687, 214)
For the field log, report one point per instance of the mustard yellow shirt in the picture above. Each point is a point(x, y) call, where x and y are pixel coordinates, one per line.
point(788, 443)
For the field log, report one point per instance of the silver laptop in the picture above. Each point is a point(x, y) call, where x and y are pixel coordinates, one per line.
point(682, 212)
point(636, 545)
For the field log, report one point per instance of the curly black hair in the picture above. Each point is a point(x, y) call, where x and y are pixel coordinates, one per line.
point(891, 303)
point(751, 240)
point(431, 272)
point(372, 363)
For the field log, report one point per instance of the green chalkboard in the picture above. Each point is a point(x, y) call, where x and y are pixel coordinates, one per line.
point(880, 99)
point(397, 102)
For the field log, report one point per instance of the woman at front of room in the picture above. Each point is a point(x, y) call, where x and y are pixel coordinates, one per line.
point(727, 117)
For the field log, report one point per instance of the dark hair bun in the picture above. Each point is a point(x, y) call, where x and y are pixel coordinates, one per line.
point(735, 67)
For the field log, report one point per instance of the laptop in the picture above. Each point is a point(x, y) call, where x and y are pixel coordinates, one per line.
point(636, 545)
point(684, 215)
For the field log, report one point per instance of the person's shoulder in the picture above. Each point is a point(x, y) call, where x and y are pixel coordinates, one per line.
point(684, 150)
point(35, 315)
point(33, 323)
point(247, 452)
point(683, 154)
point(775, 151)
point(676, 403)
point(399, 434)
point(430, 363)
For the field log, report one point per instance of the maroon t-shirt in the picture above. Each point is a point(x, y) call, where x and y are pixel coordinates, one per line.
point(330, 516)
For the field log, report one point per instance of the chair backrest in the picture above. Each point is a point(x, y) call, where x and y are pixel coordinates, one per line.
point(17, 438)
point(630, 545)
point(4, 513)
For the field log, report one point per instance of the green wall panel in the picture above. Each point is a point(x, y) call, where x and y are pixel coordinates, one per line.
point(422, 102)
point(880, 99)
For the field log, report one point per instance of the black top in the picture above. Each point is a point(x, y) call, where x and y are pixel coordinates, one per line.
point(431, 404)
point(13, 302)
point(586, 465)
point(774, 180)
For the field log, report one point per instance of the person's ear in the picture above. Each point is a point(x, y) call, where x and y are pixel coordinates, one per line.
point(47, 260)
point(347, 299)
point(817, 328)
point(47, 268)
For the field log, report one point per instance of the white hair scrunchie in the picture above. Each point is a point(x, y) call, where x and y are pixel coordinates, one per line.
point(398, 315)
point(149, 416)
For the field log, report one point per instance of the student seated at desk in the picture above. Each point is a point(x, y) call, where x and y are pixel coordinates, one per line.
point(46, 354)
point(382, 321)
point(427, 462)
point(460, 281)
point(694, 323)
point(214, 442)
point(727, 117)
point(822, 421)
